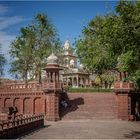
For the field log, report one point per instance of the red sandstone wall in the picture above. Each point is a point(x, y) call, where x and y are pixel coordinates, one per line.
point(27, 103)
point(39, 105)
point(19, 103)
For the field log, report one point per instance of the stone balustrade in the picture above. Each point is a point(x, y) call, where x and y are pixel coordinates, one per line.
point(10, 129)
point(52, 86)
point(123, 86)
point(30, 87)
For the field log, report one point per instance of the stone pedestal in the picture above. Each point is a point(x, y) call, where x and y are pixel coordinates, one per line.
point(123, 91)
point(124, 106)
point(52, 106)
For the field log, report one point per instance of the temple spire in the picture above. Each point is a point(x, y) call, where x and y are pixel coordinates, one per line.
point(66, 45)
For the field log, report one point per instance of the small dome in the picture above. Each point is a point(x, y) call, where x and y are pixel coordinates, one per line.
point(52, 59)
point(66, 45)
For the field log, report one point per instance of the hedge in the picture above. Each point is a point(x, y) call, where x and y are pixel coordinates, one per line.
point(89, 90)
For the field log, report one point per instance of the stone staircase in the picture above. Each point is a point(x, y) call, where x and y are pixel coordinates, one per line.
point(90, 106)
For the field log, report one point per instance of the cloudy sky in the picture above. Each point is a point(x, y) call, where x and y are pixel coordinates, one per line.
point(68, 17)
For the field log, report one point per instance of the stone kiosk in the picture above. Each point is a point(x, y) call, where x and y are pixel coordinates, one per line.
point(53, 88)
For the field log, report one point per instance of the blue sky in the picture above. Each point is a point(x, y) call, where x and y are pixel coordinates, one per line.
point(68, 17)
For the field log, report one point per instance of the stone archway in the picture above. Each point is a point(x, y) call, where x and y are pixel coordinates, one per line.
point(83, 81)
point(1, 104)
point(69, 81)
point(19, 104)
point(75, 83)
point(27, 106)
point(38, 106)
point(8, 102)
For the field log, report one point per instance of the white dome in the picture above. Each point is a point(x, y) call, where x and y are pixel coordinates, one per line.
point(52, 59)
point(66, 45)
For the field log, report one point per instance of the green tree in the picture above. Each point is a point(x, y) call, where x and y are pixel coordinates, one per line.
point(92, 51)
point(30, 50)
point(113, 40)
point(2, 62)
point(46, 41)
point(22, 52)
point(129, 60)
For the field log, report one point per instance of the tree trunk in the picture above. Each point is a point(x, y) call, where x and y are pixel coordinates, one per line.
point(101, 80)
point(26, 78)
point(39, 76)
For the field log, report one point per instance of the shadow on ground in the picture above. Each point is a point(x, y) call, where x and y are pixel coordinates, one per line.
point(73, 106)
point(30, 132)
point(133, 134)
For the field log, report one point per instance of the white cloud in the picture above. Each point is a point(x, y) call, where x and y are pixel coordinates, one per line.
point(5, 37)
point(5, 41)
point(5, 22)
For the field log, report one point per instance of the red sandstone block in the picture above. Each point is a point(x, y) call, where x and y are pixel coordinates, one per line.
point(3, 116)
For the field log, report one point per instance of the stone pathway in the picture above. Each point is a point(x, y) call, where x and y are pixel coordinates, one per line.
point(87, 129)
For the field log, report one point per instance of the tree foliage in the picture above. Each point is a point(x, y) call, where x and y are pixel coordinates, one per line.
point(22, 52)
point(2, 62)
point(30, 50)
point(112, 40)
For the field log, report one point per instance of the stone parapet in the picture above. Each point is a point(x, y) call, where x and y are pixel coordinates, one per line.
point(10, 129)
point(30, 87)
point(123, 86)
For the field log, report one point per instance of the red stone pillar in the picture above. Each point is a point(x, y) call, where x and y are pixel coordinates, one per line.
point(51, 91)
point(124, 92)
point(52, 106)
point(124, 106)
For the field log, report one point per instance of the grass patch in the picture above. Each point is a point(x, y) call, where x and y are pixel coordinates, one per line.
point(89, 90)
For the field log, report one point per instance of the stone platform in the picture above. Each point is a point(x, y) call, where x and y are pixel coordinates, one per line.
point(88, 129)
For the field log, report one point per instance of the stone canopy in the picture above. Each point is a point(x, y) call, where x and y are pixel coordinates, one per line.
point(52, 59)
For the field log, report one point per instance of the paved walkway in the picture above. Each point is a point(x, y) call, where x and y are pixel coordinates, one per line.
point(88, 129)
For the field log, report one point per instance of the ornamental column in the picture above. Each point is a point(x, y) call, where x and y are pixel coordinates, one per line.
point(52, 91)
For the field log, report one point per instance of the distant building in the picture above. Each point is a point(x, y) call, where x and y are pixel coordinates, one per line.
point(73, 74)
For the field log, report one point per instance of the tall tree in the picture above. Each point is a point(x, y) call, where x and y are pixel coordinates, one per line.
point(113, 40)
point(30, 50)
point(2, 62)
point(22, 52)
point(46, 41)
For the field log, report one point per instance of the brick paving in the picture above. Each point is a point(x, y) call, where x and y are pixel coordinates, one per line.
point(87, 129)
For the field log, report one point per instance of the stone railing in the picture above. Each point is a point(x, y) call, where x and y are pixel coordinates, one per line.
point(52, 86)
point(123, 86)
point(20, 87)
point(14, 128)
point(30, 87)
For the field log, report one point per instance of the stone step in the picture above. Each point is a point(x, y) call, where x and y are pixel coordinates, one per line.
point(91, 106)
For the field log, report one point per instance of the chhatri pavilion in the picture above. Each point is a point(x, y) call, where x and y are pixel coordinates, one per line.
point(73, 74)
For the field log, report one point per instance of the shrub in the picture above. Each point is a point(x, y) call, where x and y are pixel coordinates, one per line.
point(89, 90)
